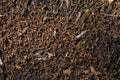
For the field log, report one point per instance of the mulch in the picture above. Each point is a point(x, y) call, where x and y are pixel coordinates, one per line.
point(55, 40)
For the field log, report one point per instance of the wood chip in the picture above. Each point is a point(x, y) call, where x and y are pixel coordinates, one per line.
point(79, 15)
point(18, 67)
point(1, 63)
point(39, 57)
point(67, 71)
point(54, 34)
point(1, 15)
point(81, 34)
point(67, 3)
point(110, 1)
point(50, 55)
point(92, 69)
point(23, 31)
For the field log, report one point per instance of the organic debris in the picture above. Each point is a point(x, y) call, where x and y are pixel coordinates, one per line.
point(92, 69)
point(59, 39)
point(39, 57)
point(79, 15)
point(81, 34)
point(1, 63)
point(67, 3)
point(67, 71)
point(1, 15)
point(50, 55)
point(110, 1)
point(18, 67)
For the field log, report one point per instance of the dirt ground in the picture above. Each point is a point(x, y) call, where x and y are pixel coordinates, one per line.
point(59, 40)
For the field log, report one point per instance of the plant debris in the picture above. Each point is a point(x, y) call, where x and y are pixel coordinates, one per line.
point(94, 71)
point(67, 71)
point(81, 34)
point(1, 63)
point(59, 39)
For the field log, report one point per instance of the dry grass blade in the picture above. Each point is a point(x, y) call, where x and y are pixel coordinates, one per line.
point(79, 15)
point(81, 34)
point(110, 1)
point(61, 3)
point(67, 3)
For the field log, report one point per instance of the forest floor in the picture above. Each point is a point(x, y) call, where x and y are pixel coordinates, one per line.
point(59, 40)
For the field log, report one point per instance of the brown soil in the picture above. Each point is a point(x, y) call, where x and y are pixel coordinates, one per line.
point(38, 40)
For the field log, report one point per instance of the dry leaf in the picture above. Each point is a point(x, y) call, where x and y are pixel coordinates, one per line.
point(66, 54)
point(1, 63)
point(18, 67)
point(50, 55)
point(84, 79)
point(23, 31)
point(110, 1)
point(54, 34)
point(1, 15)
point(94, 71)
point(64, 39)
point(86, 71)
point(67, 71)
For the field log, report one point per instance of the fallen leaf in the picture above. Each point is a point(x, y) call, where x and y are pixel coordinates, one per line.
point(50, 55)
point(67, 71)
point(64, 39)
point(86, 71)
point(54, 34)
point(81, 34)
point(18, 67)
point(1, 15)
point(1, 63)
point(92, 69)
point(110, 1)
point(84, 79)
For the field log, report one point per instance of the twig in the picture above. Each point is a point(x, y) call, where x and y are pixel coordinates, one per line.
point(111, 15)
point(81, 34)
point(79, 15)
